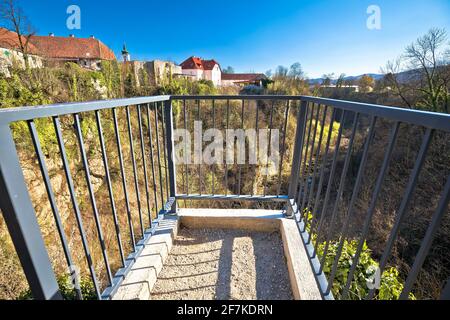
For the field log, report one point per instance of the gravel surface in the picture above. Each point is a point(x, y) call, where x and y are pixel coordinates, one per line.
point(224, 265)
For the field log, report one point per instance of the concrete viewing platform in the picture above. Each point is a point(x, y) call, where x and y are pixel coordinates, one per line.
point(222, 254)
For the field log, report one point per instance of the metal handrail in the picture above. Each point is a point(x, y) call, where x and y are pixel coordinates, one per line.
point(303, 193)
point(9, 115)
point(18, 210)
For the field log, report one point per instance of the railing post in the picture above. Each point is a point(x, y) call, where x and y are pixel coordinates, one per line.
point(298, 149)
point(445, 294)
point(22, 223)
point(168, 113)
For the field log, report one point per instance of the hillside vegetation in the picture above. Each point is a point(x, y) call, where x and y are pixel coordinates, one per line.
point(71, 83)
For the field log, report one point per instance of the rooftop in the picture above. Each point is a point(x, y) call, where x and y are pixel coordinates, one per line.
point(199, 64)
point(72, 48)
point(9, 40)
point(243, 76)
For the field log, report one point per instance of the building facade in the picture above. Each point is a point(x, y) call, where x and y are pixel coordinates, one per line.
point(160, 71)
point(199, 69)
point(243, 79)
point(11, 55)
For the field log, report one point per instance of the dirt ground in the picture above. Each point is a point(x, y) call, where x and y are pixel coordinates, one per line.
point(224, 265)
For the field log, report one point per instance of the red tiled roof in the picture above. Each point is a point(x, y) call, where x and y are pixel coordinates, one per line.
point(199, 64)
point(192, 63)
point(243, 76)
point(10, 40)
point(210, 64)
point(72, 48)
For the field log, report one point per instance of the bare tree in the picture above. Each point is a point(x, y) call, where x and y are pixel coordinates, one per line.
point(328, 79)
point(296, 71)
point(281, 72)
point(427, 56)
point(392, 79)
point(13, 18)
point(340, 81)
point(422, 73)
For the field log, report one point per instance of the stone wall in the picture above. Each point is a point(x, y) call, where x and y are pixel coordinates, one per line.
point(11, 58)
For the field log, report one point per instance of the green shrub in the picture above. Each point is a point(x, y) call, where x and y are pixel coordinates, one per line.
point(67, 290)
point(390, 283)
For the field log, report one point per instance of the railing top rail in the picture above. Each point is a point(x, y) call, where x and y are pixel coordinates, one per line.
point(433, 120)
point(427, 119)
point(235, 97)
point(35, 112)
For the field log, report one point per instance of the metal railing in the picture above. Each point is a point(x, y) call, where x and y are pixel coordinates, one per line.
point(305, 195)
point(248, 114)
point(304, 180)
point(18, 210)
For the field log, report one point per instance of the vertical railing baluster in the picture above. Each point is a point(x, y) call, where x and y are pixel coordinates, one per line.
point(186, 147)
point(200, 155)
point(214, 127)
point(171, 166)
point(52, 199)
point(330, 182)
point(144, 164)
point(109, 183)
point(307, 180)
point(301, 190)
point(404, 206)
point(159, 155)
point(257, 139)
point(304, 150)
point(316, 161)
point(298, 150)
point(445, 293)
point(62, 150)
point(283, 146)
point(155, 194)
point(427, 241)
point(240, 165)
point(266, 178)
point(340, 189)
point(322, 176)
point(124, 179)
point(376, 192)
point(133, 161)
point(227, 146)
point(20, 218)
point(92, 196)
point(351, 206)
point(163, 123)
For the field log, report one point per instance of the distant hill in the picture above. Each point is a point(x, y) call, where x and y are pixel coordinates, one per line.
point(376, 76)
point(403, 77)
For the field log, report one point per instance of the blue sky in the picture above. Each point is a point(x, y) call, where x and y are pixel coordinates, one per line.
point(251, 36)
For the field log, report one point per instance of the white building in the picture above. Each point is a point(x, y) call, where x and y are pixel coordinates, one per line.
point(199, 69)
point(10, 55)
point(243, 79)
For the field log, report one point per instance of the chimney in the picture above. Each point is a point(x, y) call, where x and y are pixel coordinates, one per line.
point(72, 35)
point(51, 34)
point(92, 37)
